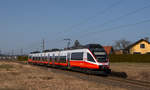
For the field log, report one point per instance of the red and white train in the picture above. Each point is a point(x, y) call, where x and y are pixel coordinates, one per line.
point(91, 57)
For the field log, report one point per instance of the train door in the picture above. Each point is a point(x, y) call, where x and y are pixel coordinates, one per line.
point(48, 59)
point(68, 60)
point(53, 60)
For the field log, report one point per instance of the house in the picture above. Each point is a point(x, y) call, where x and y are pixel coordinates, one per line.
point(140, 47)
point(108, 49)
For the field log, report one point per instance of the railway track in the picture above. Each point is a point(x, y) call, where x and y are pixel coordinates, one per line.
point(133, 82)
point(110, 80)
point(114, 81)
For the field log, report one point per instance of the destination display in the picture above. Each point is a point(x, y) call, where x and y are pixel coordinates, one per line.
point(99, 53)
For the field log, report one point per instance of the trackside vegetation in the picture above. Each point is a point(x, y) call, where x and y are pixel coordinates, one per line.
point(136, 58)
point(22, 58)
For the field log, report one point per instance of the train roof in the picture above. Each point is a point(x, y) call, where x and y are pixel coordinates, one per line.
point(88, 46)
point(58, 52)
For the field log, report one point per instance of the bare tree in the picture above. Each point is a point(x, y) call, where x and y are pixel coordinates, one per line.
point(121, 44)
point(76, 44)
point(146, 38)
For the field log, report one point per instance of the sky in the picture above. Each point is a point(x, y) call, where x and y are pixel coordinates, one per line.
point(24, 23)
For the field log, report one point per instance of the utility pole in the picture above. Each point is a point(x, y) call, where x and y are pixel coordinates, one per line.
point(12, 52)
point(21, 51)
point(0, 52)
point(43, 45)
point(69, 41)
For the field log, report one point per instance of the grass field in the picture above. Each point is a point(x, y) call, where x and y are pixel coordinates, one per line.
point(14, 76)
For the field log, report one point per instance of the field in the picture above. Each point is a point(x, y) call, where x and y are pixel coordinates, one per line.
point(136, 71)
point(15, 76)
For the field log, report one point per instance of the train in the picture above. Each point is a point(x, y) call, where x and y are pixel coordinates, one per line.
point(89, 58)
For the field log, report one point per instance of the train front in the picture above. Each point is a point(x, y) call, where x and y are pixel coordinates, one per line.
point(101, 57)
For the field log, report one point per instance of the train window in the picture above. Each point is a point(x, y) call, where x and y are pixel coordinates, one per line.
point(50, 58)
point(62, 59)
point(77, 56)
point(42, 58)
point(90, 58)
point(55, 58)
point(33, 58)
point(29, 57)
point(39, 58)
point(45, 58)
point(36, 58)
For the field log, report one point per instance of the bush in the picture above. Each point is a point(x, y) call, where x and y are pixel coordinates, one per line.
point(22, 58)
point(145, 58)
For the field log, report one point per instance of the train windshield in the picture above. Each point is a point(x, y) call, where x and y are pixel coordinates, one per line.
point(99, 53)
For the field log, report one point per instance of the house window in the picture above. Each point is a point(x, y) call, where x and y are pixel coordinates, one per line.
point(142, 46)
point(137, 53)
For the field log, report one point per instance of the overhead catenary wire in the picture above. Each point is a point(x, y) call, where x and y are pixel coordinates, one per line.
point(117, 19)
point(95, 15)
point(84, 21)
point(113, 20)
point(116, 28)
point(110, 7)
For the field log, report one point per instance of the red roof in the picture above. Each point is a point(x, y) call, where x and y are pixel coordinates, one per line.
point(108, 49)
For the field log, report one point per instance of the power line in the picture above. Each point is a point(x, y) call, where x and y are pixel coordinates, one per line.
point(94, 16)
point(118, 27)
point(118, 18)
point(91, 17)
point(100, 12)
point(124, 26)
point(121, 17)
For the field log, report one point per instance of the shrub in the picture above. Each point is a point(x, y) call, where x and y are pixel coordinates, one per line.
point(22, 58)
point(145, 58)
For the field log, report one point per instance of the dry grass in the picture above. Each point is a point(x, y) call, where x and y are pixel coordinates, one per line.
point(26, 77)
point(137, 71)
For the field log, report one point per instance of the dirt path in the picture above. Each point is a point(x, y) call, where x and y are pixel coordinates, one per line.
point(15, 76)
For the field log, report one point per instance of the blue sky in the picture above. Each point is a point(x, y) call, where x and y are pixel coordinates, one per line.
point(24, 23)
